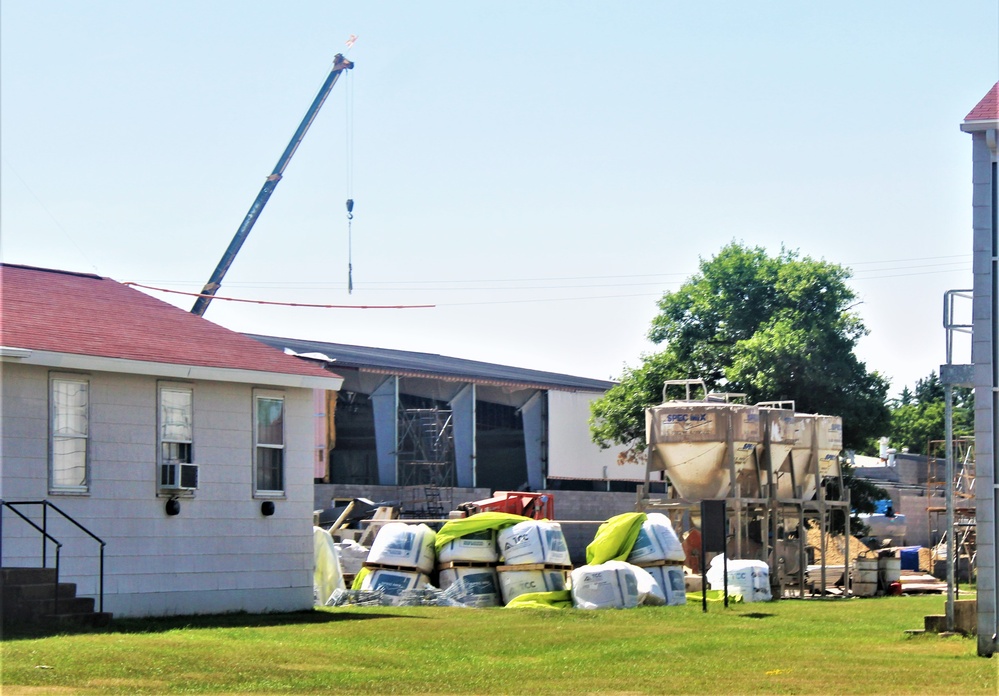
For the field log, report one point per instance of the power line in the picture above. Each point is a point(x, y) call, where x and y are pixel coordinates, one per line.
point(412, 284)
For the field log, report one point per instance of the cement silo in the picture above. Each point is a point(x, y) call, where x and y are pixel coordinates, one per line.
point(707, 449)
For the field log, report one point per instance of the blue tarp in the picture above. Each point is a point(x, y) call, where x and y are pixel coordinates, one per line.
point(909, 557)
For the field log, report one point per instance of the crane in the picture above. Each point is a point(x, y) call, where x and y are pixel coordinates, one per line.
point(340, 64)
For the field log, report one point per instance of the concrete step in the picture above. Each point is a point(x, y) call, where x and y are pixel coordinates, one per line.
point(91, 619)
point(29, 598)
point(935, 623)
point(27, 576)
point(65, 605)
point(13, 593)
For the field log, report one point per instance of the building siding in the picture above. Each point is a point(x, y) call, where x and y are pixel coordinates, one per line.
point(219, 554)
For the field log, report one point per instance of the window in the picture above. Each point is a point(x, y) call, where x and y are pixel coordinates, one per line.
point(268, 438)
point(69, 428)
point(176, 432)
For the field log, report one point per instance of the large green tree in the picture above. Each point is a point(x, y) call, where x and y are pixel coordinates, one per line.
point(774, 327)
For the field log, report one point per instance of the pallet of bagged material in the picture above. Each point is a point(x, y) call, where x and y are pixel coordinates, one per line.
point(535, 566)
point(657, 564)
point(390, 566)
point(448, 565)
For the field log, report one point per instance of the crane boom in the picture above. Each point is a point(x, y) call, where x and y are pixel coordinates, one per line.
point(214, 283)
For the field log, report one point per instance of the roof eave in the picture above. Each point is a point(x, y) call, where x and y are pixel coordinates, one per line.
point(95, 363)
point(481, 381)
point(978, 126)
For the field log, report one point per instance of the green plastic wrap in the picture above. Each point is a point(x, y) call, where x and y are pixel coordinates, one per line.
point(559, 599)
point(615, 538)
point(359, 578)
point(455, 529)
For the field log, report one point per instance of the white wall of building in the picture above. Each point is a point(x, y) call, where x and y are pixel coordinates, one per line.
point(984, 352)
point(571, 451)
point(220, 554)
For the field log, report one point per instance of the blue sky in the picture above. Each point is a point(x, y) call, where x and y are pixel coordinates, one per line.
point(541, 172)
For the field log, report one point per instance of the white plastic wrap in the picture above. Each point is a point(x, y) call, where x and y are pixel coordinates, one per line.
point(352, 556)
point(479, 547)
point(405, 546)
point(533, 542)
point(657, 541)
point(610, 585)
point(749, 578)
point(650, 590)
point(672, 582)
point(327, 574)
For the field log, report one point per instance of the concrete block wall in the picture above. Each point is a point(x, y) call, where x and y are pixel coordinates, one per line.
point(581, 512)
point(917, 525)
point(578, 512)
point(324, 493)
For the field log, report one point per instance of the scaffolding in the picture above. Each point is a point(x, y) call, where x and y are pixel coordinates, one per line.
point(426, 461)
point(965, 527)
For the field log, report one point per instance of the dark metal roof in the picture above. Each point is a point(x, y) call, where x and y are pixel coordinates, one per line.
point(410, 364)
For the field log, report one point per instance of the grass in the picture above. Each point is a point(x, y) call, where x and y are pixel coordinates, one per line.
point(789, 647)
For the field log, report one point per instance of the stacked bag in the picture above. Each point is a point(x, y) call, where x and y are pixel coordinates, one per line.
point(496, 559)
point(401, 559)
point(613, 577)
point(470, 559)
point(748, 578)
point(535, 559)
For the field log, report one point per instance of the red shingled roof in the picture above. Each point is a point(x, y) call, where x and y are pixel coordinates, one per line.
point(988, 108)
point(84, 314)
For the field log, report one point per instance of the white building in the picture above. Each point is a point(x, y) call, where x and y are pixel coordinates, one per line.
point(983, 125)
point(185, 447)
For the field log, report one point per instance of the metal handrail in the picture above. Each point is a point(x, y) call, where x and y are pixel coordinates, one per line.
point(46, 504)
point(950, 323)
point(785, 404)
point(686, 384)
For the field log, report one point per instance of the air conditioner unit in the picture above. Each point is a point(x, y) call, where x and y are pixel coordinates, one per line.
point(179, 477)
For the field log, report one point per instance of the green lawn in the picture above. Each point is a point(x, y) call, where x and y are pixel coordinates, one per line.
point(794, 647)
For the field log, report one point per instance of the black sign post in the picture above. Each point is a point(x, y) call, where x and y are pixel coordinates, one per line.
point(713, 521)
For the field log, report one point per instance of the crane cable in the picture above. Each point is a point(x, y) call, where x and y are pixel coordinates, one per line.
point(349, 157)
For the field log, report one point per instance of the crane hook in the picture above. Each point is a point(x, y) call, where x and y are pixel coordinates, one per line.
point(350, 253)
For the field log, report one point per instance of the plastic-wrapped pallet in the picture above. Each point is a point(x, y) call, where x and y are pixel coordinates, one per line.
point(533, 541)
point(749, 578)
point(657, 541)
point(393, 583)
point(481, 585)
point(327, 574)
point(610, 585)
point(477, 547)
point(405, 546)
point(671, 579)
point(352, 556)
point(514, 583)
